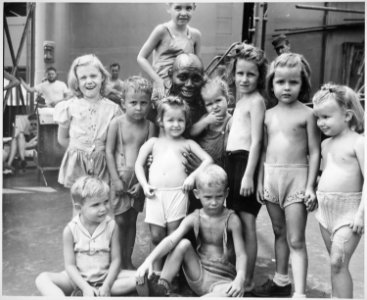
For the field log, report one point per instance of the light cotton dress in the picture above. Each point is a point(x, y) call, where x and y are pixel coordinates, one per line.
point(87, 123)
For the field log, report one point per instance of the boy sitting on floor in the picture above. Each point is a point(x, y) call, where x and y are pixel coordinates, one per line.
point(217, 266)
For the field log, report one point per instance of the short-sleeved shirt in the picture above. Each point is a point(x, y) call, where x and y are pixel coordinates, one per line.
point(52, 91)
point(87, 122)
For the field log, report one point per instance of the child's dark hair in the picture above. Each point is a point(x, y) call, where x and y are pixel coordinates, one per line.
point(85, 60)
point(257, 56)
point(88, 187)
point(290, 60)
point(346, 98)
point(173, 102)
point(115, 65)
point(138, 84)
point(51, 69)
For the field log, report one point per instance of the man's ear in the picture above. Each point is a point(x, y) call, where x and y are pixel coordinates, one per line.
point(196, 193)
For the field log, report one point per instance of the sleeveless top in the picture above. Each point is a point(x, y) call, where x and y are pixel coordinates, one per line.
point(92, 252)
point(214, 142)
point(169, 49)
point(224, 265)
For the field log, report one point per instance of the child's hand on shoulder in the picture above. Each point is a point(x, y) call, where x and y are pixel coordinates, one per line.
point(358, 223)
point(310, 200)
point(188, 184)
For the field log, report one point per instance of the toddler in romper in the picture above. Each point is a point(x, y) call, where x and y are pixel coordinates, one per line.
point(288, 170)
point(211, 131)
point(91, 248)
point(126, 134)
point(168, 185)
point(340, 191)
point(83, 121)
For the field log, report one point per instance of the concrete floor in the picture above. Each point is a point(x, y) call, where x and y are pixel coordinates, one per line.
point(34, 217)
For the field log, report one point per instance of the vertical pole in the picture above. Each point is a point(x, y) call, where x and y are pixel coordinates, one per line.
point(323, 45)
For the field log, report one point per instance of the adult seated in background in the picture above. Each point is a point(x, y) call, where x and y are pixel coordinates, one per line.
point(25, 138)
point(51, 90)
point(281, 44)
point(115, 85)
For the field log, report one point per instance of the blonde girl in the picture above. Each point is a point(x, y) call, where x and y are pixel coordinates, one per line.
point(340, 192)
point(83, 121)
point(288, 170)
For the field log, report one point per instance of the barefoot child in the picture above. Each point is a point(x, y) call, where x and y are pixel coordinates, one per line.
point(340, 192)
point(218, 265)
point(244, 145)
point(126, 134)
point(167, 41)
point(91, 248)
point(211, 131)
point(83, 121)
point(288, 171)
point(168, 185)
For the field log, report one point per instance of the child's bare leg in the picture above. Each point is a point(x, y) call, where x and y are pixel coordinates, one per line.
point(250, 238)
point(13, 150)
point(172, 226)
point(123, 223)
point(281, 248)
point(183, 254)
point(157, 234)
point(130, 237)
point(125, 283)
point(296, 219)
point(342, 248)
point(54, 284)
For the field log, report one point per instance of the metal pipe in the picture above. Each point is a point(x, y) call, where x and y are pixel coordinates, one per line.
point(318, 27)
point(334, 9)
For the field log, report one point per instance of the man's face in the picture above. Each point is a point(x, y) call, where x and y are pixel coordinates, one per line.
point(115, 73)
point(187, 77)
point(51, 76)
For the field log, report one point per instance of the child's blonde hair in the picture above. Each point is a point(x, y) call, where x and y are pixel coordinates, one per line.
point(217, 83)
point(85, 60)
point(138, 84)
point(88, 187)
point(257, 56)
point(290, 60)
point(346, 98)
point(173, 102)
point(212, 176)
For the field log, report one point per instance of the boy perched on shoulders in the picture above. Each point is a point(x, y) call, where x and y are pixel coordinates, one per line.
point(126, 134)
point(218, 265)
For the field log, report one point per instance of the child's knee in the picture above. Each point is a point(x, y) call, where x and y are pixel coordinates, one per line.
point(337, 256)
point(157, 236)
point(183, 245)
point(41, 279)
point(279, 230)
point(297, 243)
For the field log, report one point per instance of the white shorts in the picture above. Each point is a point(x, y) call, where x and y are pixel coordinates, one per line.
point(167, 205)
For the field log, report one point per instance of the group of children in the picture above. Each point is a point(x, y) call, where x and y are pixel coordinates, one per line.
point(268, 153)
